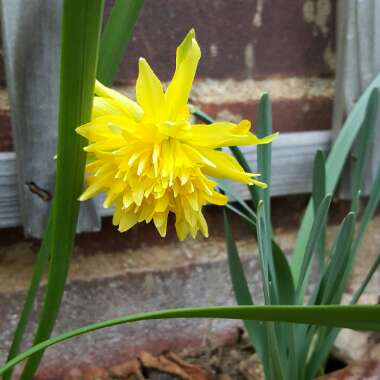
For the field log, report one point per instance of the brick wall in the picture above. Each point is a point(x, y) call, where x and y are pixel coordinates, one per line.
point(249, 46)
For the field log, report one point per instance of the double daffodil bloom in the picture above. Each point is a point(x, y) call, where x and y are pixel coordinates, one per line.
point(151, 161)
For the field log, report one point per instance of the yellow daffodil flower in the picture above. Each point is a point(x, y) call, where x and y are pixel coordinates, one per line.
point(150, 160)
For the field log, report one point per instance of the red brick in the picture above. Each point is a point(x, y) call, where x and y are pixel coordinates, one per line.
point(286, 44)
point(6, 141)
point(288, 115)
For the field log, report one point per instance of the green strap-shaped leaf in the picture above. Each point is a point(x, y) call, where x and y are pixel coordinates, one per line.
point(253, 190)
point(81, 24)
point(360, 317)
point(320, 355)
point(116, 37)
point(286, 294)
point(319, 224)
point(340, 268)
point(319, 180)
point(369, 212)
point(277, 361)
point(362, 148)
point(334, 166)
point(279, 264)
point(284, 276)
point(264, 163)
point(318, 194)
point(375, 265)
point(255, 329)
point(282, 335)
point(236, 152)
point(233, 196)
point(334, 272)
point(330, 291)
point(38, 270)
point(247, 219)
point(264, 151)
point(264, 254)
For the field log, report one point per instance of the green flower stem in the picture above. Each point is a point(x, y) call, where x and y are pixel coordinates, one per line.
point(27, 308)
point(81, 24)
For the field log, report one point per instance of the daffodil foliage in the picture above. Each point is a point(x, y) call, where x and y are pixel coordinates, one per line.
point(151, 161)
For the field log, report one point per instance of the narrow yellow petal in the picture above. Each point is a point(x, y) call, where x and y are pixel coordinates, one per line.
point(149, 92)
point(217, 199)
point(177, 94)
point(130, 107)
point(221, 134)
point(182, 230)
point(225, 166)
point(96, 187)
point(202, 224)
point(263, 185)
point(160, 221)
point(268, 139)
point(127, 220)
point(104, 106)
point(117, 214)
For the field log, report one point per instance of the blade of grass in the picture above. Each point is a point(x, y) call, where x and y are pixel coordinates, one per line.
point(115, 38)
point(361, 317)
point(334, 166)
point(81, 25)
point(38, 270)
point(318, 194)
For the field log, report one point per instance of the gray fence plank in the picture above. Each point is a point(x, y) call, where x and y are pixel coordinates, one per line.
point(358, 62)
point(31, 39)
point(9, 202)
